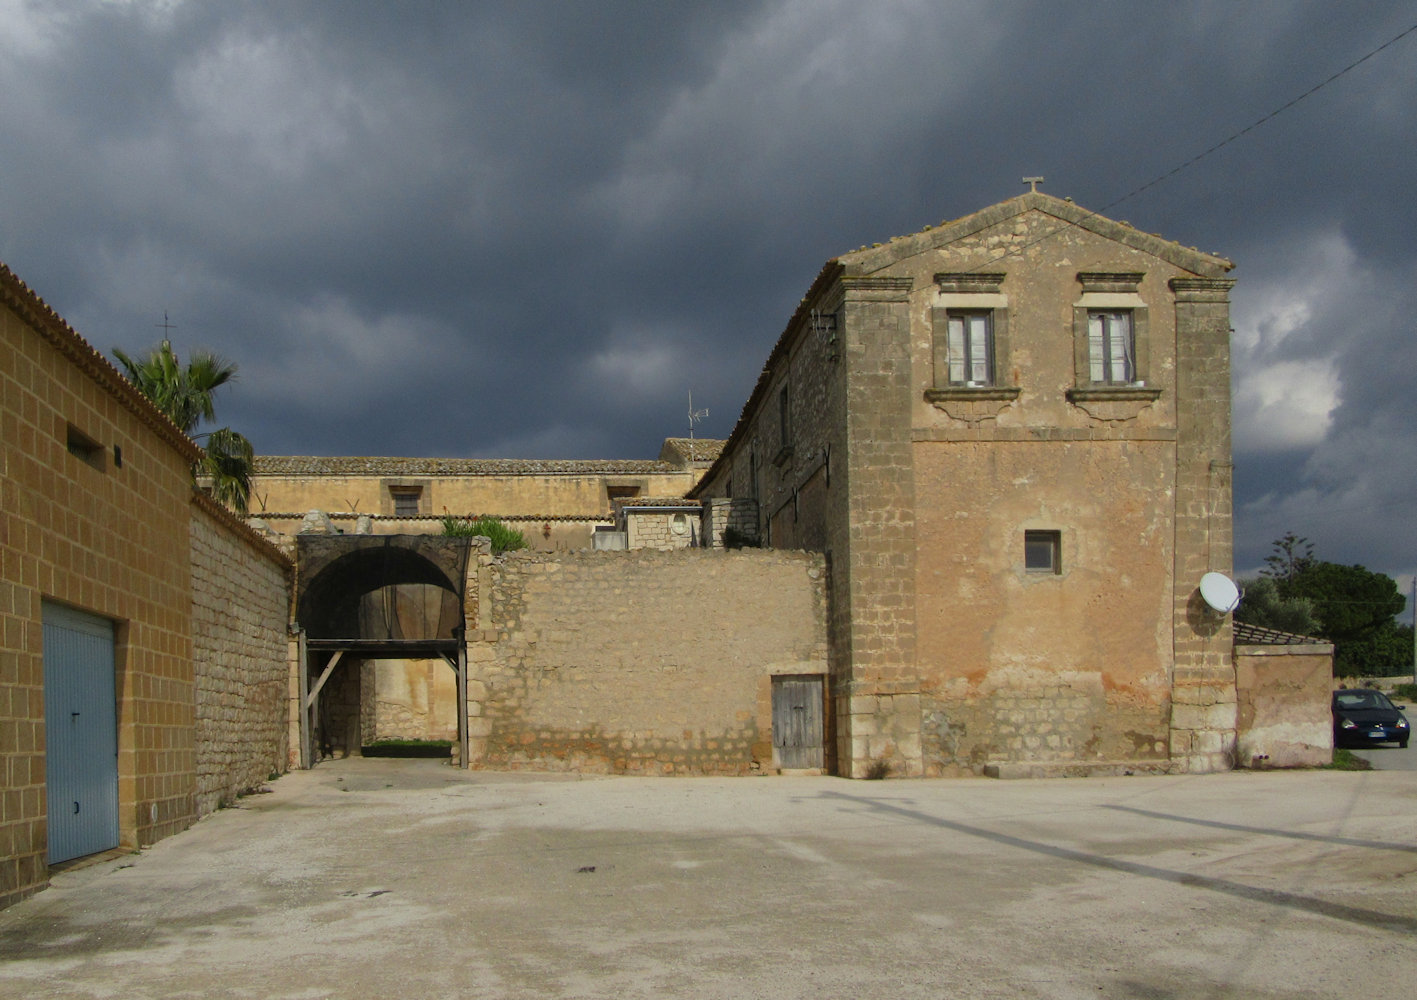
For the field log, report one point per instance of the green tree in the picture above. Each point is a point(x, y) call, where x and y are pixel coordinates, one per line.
point(1351, 602)
point(184, 394)
point(1353, 607)
point(1263, 606)
point(1291, 556)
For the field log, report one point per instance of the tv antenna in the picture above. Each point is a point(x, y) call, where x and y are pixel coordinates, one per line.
point(694, 415)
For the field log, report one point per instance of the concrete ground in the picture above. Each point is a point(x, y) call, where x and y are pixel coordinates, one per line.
point(1390, 757)
point(383, 878)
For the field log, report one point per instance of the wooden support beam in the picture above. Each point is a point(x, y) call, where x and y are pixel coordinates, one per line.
point(324, 676)
point(307, 751)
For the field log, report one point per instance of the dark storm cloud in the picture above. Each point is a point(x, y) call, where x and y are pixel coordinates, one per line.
point(529, 229)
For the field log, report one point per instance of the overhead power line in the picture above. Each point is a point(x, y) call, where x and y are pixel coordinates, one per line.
point(1267, 118)
point(1202, 155)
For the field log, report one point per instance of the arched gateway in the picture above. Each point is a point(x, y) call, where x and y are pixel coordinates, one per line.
point(373, 597)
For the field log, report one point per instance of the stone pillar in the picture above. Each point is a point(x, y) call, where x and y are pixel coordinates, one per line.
point(878, 708)
point(1203, 701)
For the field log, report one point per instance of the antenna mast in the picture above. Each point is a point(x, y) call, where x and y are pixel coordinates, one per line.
point(694, 415)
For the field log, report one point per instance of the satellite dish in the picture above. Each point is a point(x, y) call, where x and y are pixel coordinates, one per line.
point(1220, 592)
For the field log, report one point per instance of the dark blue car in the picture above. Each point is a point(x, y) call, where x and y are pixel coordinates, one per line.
point(1362, 717)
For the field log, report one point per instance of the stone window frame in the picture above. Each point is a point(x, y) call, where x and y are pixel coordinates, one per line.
point(1111, 292)
point(972, 293)
point(394, 489)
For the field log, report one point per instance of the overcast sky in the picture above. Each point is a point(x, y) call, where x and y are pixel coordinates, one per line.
point(529, 230)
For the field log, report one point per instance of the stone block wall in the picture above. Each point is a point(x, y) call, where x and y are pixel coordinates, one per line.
point(1203, 712)
point(639, 661)
point(724, 513)
point(1283, 717)
point(662, 530)
point(240, 608)
point(93, 514)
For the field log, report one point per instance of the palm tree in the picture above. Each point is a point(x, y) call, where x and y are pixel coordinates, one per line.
point(184, 395)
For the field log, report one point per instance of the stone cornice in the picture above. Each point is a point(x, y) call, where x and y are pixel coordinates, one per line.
point(1202, 289)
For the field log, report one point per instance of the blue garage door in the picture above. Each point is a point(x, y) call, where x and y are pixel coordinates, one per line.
point(80, 733)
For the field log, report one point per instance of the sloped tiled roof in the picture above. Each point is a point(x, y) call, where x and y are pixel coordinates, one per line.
point(1258, 635)
point(40, 317)
point(636, 503)
point(690, 450)
point(316, 465)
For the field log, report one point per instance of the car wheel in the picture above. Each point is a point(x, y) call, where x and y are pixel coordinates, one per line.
point(1402, 744)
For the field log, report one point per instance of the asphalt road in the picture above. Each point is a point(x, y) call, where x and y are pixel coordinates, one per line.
point(380, 878)
point(1391, 757)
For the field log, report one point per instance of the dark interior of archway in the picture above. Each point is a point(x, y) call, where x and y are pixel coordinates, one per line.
point(383, 593)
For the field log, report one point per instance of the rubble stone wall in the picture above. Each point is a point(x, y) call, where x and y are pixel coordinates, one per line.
point(640, 661)
point(240, 596)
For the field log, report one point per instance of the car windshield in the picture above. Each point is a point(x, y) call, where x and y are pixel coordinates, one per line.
point(1357, 700)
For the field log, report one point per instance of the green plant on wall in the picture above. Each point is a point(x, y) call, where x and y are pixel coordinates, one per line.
point(503, 538)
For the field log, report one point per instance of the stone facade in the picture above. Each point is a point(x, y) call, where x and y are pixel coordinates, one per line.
point(557, 505)
point(641, 661)
point(240, 610)
point(97, 516)
point(94, 483)
point(931, 490)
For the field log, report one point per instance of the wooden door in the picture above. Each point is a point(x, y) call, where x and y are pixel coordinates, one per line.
point(797, 713)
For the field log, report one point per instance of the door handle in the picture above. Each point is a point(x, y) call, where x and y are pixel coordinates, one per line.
point(76, 809)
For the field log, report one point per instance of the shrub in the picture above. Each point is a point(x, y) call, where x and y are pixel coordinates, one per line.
point(503, 538)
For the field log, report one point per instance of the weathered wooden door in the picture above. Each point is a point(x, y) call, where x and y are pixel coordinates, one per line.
point(80, 733)
point(797, 711)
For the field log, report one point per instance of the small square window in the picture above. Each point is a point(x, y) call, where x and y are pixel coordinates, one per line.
point(1042, 552)
point(1111, 347)
point(406, 500)
point(971, 348)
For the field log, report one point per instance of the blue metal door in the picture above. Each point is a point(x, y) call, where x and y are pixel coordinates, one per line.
point(80, 733)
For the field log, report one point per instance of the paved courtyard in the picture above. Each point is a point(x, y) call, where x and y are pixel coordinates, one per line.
point(368, 878)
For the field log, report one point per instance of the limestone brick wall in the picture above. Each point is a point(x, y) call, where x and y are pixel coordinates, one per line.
point(1203, 710)
point(1283, 716)
point(240, 607)
point(722, 514)
point(408, 700)
point(879, 712)
point(655, 530)
point(101, 528)
point(640, 661)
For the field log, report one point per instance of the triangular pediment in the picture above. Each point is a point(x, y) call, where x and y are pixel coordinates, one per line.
point(869, 260)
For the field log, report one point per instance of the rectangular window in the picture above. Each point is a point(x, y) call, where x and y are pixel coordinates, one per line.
point(406, 500)
point(83, 447)
point(1042, 552)
point(971, 348)
point(1111, 347)
point(784, 418)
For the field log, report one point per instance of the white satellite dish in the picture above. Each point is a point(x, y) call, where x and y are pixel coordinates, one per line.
point(1220, 592)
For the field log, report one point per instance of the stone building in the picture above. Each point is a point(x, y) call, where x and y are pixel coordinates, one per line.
point(1010, 435)
point(557, 505)
point(143, 652)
